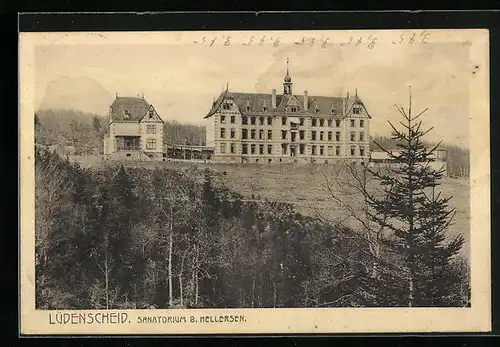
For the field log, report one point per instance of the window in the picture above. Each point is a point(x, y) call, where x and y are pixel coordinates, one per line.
point(233, 119)
point(151, 113)
point(283, 134)
point(301, 120)
point(261, 120)
point(301, 149)
point(151, 129)
point(337, 136)
point(330, 151)
point(252, 120)
point(252, 149)
point(329, 136)
point(222, 132)
point(244, 120)
point(252, 134)
point(361, 151)
point(223, 119)
point(321, 136)
point(353, 123)
point(361, 123)
point(261, 134)
point(316, 110)
point(223, 148)
point(302, 134)
point(248, 108)
point(151, 144)
point(225, 106)
point(244, 148)
point(321, 150)
point(313, 135)
point(283, 120)
point(233, 148)
point(283, 149)
point(337, 150)
point(353, 136)
point(353, 150)
point(337, 123)
point(313, 122)
point(269, 149)
point(361, 136)
point(356, 109)
point(330, 122)
point(233, 133)
point(126, 114)
point(269, 120)
point(293, 109)
point(264, 108)
point(321, 122)
point(244, 134)
point(261, 149)
point(313, 150)
point(269, 134)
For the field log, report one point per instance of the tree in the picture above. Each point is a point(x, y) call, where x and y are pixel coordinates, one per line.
point(417, 215)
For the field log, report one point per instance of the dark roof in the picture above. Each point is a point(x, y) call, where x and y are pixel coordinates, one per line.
point(136, 107)
point(341, 106)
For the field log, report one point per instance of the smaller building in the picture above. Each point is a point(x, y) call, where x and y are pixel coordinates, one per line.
point(135, 130)
point(381, 158)
point(189, 152)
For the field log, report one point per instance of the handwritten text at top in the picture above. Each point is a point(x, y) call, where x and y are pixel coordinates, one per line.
point(368, 41)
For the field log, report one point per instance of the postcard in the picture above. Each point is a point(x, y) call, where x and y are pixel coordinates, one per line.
point(254, 182)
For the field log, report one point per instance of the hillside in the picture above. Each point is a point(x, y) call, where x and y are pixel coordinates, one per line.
point(81, 131)
point(115, 237)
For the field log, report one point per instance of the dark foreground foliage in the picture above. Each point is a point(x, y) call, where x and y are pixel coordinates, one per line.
point(141, 238)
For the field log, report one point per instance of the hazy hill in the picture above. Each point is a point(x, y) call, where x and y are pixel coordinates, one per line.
point(83, 94)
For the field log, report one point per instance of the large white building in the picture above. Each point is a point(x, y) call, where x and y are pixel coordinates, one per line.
point(135, 130)
point(288, 127)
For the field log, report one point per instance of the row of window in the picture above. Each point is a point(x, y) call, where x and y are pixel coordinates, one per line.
point(269, 121)
point(227, 106)
point(252, 134)
point(268, 149)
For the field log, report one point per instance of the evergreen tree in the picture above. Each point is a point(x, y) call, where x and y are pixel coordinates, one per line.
point(417, 215)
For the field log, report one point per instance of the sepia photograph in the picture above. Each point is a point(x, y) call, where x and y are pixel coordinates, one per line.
point(208, 182)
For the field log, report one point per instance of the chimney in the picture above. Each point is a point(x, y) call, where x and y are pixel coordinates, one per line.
point(306, 101)
point(274, 99)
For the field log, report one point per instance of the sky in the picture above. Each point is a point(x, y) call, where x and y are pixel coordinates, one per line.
point(181, 80)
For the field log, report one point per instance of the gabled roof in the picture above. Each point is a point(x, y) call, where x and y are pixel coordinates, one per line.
point(136, 108)
point(341, 106)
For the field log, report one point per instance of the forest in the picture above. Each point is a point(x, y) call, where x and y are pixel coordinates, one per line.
point(85, 131)
point(164, 238)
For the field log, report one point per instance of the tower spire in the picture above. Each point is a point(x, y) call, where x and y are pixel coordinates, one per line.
point(287, 85)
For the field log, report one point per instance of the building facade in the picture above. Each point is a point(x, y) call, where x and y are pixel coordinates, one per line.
point(287, 127)
point(135, 130)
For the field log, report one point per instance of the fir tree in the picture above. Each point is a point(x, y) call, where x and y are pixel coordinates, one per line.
point(416, 214)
